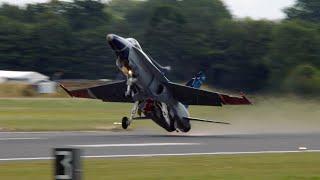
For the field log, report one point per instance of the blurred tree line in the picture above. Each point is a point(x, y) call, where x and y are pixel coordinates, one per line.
point(239, 54)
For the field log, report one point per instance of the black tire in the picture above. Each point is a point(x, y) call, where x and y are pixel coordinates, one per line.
point(125, 122)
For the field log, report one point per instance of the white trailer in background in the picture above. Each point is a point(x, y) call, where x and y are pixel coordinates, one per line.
point(28, 77)
point(42, 82)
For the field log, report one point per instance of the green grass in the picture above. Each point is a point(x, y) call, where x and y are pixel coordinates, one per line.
point(25, 90)
point(263, 166)
point(40, 114)
point(59, 114)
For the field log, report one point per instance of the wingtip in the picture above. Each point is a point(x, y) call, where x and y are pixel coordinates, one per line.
point(65, 89)
point(245, 98)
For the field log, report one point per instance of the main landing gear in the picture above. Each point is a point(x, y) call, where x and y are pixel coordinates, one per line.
point(127, 121)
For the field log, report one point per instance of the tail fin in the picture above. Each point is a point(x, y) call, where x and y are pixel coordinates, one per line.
point(197, 81)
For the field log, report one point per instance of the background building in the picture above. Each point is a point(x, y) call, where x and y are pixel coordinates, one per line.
point(40, 81)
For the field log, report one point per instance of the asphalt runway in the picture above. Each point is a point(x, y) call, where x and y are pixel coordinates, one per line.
point(39, 145)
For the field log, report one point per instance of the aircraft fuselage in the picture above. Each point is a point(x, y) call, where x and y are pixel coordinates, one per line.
point(147, 85)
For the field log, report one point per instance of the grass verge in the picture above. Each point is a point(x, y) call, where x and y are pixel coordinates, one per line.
point(259, 166)
point(43, 114)
point(59, 114)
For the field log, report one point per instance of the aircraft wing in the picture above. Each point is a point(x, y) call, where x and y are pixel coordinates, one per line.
point(191, 96)
point(112, 92)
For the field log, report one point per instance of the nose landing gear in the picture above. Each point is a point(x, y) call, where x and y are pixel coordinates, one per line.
point(130, 81)
point(125, 122)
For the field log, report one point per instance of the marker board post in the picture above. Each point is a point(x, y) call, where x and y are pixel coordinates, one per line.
point(67, 164)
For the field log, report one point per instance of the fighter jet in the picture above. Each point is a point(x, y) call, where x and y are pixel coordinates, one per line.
point(154, 96)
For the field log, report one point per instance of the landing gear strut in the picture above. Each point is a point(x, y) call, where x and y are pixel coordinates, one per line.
point(130, 81)
point(127, 121)
point(165, 113)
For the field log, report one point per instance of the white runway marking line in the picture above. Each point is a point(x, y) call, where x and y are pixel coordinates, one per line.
point(17, 138)
point(48, 132)
point(156, 155)
point(26, 159)
point(199, 154)
point(134, 145)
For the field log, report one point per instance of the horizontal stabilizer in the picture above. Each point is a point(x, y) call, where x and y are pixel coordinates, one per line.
point(205, 120)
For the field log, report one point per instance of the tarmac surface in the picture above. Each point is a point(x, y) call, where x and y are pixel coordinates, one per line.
point(39, 145)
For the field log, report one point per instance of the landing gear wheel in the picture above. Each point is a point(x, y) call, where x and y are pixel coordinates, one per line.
point(125, 123)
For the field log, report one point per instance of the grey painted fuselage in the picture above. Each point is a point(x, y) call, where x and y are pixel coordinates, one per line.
point(149, 85)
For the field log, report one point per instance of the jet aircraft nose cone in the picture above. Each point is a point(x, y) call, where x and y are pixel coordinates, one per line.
point(116, 42)
point(109, 37)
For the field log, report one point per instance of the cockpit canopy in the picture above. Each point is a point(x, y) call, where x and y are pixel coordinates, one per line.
point(134, 42)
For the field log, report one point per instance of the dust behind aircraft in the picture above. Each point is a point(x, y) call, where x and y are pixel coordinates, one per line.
point(154, 96)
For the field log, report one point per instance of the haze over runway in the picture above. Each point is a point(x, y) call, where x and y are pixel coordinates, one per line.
point(37, 146)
